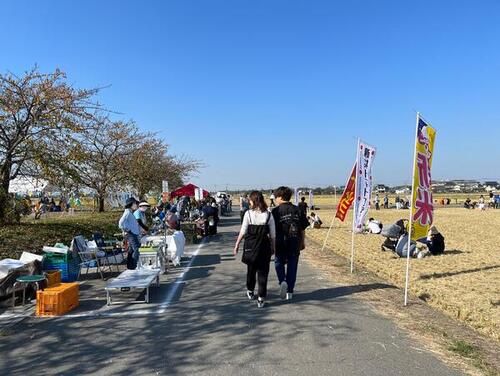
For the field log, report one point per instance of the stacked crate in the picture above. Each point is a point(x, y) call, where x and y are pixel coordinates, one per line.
point(57, 300)
point(67, 263)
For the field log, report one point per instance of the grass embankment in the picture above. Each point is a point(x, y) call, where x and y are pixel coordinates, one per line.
point(31, 235)
point(464, 282)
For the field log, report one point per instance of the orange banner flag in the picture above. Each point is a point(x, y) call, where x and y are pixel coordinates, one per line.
point(347, 197)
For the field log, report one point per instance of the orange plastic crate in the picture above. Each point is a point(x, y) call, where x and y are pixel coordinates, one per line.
point(53, 277)
point(57, 300)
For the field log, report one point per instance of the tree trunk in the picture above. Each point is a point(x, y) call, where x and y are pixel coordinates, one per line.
point(100, 200)
point(4, 188)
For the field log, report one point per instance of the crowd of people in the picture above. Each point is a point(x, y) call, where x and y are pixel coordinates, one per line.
point(168, 216)
point(277, 229)
point(49, 205)
point(492, 203)
point(399, 202)
point(134, 224)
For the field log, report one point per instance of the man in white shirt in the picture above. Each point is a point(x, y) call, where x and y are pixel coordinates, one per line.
point(373, 226)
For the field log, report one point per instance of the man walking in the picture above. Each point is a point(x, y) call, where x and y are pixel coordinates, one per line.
point(303, 206)
point(290, 225)
point(244, 206)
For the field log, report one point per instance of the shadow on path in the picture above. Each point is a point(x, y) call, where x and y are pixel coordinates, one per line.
point(336, 292)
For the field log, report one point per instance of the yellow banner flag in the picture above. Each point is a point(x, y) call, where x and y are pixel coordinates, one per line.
point(423, 208)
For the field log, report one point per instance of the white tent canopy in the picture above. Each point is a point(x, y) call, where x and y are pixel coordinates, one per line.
point(26, 185)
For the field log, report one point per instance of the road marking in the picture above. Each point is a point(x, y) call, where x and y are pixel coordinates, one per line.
point(180, 279)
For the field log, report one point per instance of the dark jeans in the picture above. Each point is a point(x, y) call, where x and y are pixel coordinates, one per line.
point(258, 274)
point(290, 275)
point(242, 214)
point(133, 250)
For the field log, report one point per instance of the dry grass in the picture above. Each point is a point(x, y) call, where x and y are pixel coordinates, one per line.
point(326, 201)
point(464, 282)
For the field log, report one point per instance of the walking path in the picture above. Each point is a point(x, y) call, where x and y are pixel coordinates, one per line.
point(201, 323)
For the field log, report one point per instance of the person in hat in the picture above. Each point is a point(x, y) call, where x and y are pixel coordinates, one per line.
point(435, 241)
point(140, 215)
point(433, 244)
point(129, 225)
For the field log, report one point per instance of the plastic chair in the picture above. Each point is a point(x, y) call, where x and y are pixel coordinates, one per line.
point(108, 247)
point(90, 257)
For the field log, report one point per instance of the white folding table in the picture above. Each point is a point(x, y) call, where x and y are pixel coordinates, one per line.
point(130, 280)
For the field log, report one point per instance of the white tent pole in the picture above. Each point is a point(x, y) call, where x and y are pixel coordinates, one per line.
point(354, 207)
point(411, 214)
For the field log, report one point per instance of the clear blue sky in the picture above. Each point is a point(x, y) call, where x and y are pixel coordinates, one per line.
point(272, 92)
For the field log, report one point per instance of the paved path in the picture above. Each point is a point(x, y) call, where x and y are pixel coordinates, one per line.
point(208, 327)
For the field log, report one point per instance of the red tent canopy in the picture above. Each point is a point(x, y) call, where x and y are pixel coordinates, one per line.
point(187, 190)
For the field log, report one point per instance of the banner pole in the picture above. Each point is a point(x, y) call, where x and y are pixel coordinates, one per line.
point(354, 208)
point(407, 278)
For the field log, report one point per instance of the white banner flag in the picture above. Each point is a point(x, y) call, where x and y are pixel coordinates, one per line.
point(296, 196)
point(311, 200)
point(198, 194)
point(364, 183)
point(164, 186)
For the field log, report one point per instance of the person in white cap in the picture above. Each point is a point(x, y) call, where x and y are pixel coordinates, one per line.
point(140, 216)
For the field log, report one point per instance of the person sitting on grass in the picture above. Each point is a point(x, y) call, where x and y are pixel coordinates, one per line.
point(481, 204)
point(315, 220)
point(433, 244)
point(373, 226)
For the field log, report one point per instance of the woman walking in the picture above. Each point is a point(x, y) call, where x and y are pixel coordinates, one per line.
point(259, 233)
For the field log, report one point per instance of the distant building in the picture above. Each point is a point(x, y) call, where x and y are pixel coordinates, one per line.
point(491, 186)
point(381, 188)
point(403, 190)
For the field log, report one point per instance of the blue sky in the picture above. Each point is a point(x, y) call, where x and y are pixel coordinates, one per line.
point(276, 92)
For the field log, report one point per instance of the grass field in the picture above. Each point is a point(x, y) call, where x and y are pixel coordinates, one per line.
point(32, 235)
point(327, 201)
point(463, 283)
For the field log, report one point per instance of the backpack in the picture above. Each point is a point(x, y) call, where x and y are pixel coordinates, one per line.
point(291, 230)
point(257, 245)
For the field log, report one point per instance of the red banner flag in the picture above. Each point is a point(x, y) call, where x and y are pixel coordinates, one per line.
point(347, 197)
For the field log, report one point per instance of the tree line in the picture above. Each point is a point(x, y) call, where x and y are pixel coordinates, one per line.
point(49, 129)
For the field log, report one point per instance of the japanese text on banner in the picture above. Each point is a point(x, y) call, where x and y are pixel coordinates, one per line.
point(364, 183)
point(423, 208)
point(347, 197)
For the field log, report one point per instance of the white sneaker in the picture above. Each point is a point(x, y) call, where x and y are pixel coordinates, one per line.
point(260, 303)
point(289, 296)
point(283, 289)
point(250, 295)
